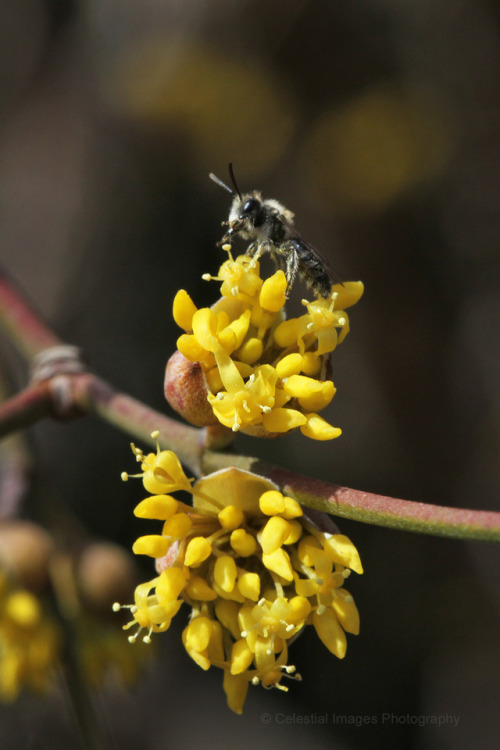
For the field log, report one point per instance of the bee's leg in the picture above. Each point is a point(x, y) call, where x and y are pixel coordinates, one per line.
point(257, 249)
point(292, 262)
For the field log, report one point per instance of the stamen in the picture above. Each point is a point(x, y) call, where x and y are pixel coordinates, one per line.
point(124, 476)
point(155, 435)
point(334, 299)
point(245, 633)
point(234, 291)
point(133, 638)
point(283, 688)
point(207, 277)
point(289, 672)
point(310, 573)
point(137, 451)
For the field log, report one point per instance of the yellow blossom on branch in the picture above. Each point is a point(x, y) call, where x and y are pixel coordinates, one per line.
point(261, 373)
point(254, 570)
point(29, 642)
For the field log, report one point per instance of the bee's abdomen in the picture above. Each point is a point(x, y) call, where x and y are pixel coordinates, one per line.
point(311, 268)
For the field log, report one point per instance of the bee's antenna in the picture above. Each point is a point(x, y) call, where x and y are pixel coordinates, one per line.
point(233, 180)
point(218, 181)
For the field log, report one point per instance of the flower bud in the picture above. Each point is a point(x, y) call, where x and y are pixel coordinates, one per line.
point(186, 391)
point(25, 550)
point(105, 574)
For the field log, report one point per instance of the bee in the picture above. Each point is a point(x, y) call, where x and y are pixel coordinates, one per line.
point(270, 228)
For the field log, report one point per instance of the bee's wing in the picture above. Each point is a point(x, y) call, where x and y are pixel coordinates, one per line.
point(334, 276)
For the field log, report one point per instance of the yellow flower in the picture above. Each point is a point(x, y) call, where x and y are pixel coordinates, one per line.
point(262, 374)
point(253, 570)
point(29, 643)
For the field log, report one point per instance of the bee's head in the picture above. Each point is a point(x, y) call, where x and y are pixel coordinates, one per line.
point(246, 211)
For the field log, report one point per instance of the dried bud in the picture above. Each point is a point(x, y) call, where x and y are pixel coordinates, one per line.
point(105, 573)
point(186, 391)
point(25, 551)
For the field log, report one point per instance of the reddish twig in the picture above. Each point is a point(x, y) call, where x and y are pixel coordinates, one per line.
point(25, 408)
point(357, 505)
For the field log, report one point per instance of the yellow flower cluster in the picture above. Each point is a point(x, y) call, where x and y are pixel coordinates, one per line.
point(29, 642)
point(252, 568)
point(265, 375)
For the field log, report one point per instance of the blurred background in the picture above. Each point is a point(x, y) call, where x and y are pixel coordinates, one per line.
point(378, 123)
